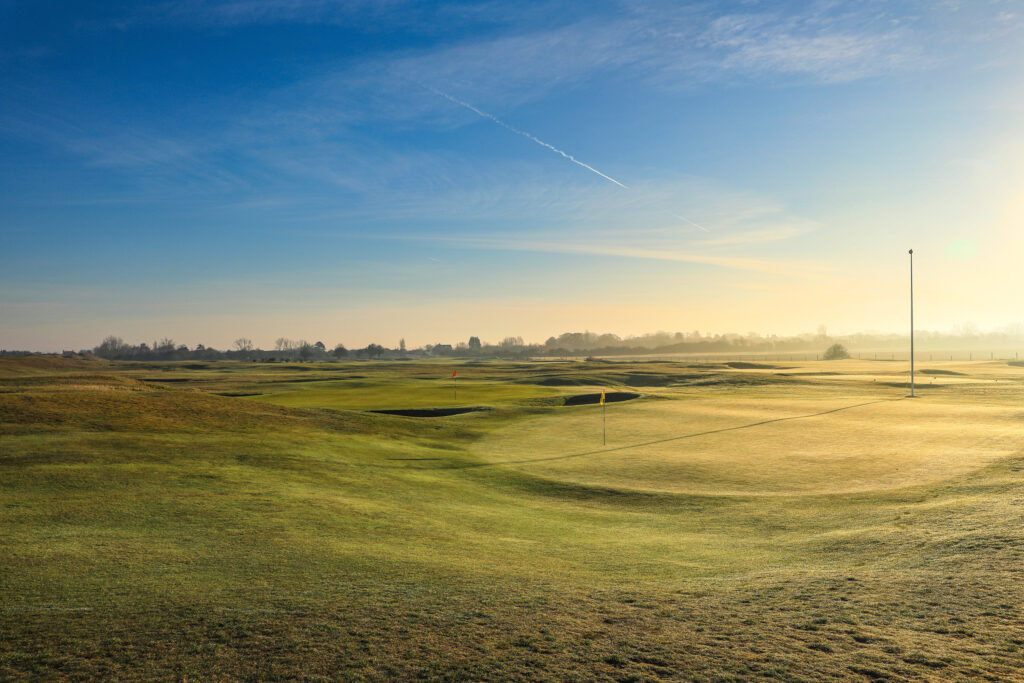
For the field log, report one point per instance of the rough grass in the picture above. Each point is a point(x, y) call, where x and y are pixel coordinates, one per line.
point(169, 532)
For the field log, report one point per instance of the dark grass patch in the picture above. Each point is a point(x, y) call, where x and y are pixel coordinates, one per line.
point(808, 374)
point(941, 372)
point(609, 397)
point(733, 379)
point(743, 365)
point(524, 483)
point(657, 380)
point(430, 412)
point(302, 380)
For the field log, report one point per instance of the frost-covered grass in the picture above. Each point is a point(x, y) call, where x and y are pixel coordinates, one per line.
point(738, 523)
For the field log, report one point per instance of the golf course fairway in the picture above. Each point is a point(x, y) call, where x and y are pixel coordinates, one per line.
point(227, 520)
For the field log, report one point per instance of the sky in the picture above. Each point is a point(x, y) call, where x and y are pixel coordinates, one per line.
point(366, 171)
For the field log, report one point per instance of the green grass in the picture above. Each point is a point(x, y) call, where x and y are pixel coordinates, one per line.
point(731, 528)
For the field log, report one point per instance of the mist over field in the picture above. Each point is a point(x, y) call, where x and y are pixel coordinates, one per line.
point(965, 342)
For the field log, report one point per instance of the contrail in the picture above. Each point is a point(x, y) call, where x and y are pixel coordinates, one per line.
point(687, 220)
point(515, 130)
point(540, 142)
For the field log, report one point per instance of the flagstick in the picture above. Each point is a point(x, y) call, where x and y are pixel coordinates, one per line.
point(911, 323)
point(604, 424)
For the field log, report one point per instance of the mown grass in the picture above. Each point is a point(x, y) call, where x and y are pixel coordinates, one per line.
point(160, 530)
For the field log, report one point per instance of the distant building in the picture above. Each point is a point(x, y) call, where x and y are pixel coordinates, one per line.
point(440, 349)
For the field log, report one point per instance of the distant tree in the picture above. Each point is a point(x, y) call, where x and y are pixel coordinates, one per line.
point(374, 350)
point(836, 352)
point(111, 347)
point(200, 347)
point(319, 347)
point(283, 344)
point(242, 344)
point(474, 343)
point(401, 344)
point(340, 351)
point(306, 350)
point(509, 342)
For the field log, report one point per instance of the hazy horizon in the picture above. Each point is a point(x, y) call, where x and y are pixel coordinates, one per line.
point(957, 339)
point(361, 173)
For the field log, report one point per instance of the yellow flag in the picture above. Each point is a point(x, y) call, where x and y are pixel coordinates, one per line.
point(602, 397)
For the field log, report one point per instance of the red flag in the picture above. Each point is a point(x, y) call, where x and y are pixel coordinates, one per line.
point(453, 373)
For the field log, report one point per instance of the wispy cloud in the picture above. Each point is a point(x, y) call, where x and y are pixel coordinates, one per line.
point(316, 128)
point(154, 158)
point(295, 131)
point(536, 50)
point(588, 246)
point(757, 237)
point(830, 48)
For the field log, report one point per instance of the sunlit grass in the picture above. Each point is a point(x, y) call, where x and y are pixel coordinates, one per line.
point(745, 443)
point(161, 530)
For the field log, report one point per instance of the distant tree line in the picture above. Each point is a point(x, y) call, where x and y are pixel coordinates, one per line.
point(963, 338)
point(284, 349)
point(115, 348)
point(564, 345)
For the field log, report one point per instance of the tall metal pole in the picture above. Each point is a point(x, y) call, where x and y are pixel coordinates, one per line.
point(911, 322)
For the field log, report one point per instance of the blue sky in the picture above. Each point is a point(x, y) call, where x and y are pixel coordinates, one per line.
point(330, 170)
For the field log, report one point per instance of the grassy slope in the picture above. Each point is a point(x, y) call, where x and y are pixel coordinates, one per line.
point(153, 528)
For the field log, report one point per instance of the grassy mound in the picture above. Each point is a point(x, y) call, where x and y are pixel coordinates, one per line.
point(44, 364)
point(813, 528)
